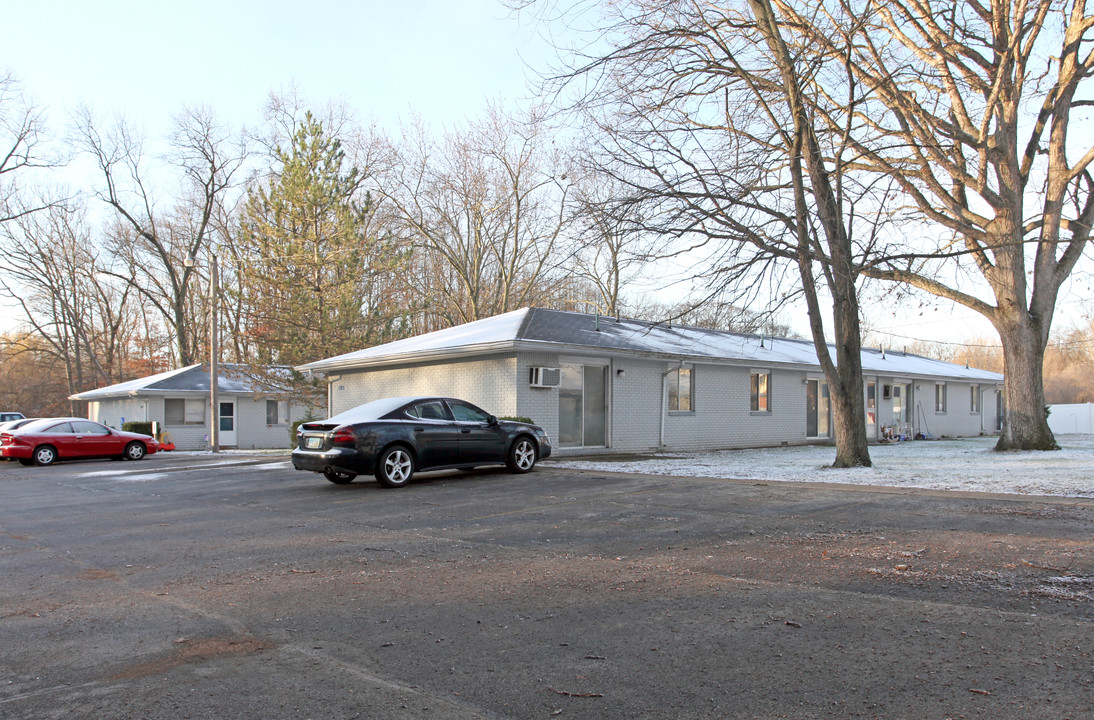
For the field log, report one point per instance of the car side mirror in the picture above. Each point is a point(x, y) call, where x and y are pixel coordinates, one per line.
point(492, 420)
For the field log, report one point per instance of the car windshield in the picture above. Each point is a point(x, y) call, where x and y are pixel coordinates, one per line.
point(370, 411)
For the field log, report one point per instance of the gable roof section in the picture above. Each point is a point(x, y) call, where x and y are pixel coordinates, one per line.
point(540, 330)
point(193, 379)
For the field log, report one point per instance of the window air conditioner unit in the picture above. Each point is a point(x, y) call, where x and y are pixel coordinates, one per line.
point(544, 377)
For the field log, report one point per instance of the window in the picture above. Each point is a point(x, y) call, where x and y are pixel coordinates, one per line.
point(940, 397)
point(277, 412)
point(429, 411)
point(680, 390)
point(871, 403)
point(183, 412)
point(974, 398)
point(86, 427)
point(761, 386)
point(468, 413)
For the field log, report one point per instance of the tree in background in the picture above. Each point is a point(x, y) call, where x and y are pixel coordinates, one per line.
point(969, 112)
point(313, 268)
point(485, 210)
point(33, 378)
point(52, 271)
point(702, 119)
point(22, 129)
point(154, 243)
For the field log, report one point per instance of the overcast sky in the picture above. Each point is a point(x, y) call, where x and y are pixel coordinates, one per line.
point(441, 58)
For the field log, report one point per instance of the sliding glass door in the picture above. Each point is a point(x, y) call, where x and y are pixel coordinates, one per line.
point(583, 406)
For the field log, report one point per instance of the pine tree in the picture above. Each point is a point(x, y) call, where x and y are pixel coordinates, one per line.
point(311, 260)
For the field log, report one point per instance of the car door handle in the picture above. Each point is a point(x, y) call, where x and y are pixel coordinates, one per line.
point(465, 430)
point(419, 429)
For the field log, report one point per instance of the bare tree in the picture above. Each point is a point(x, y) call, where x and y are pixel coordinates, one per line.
point(969, 111)
point(153, 242)
point(610, 252)
point(484, 209)
point(50, 268)
point(703, 115)
point(22, 129)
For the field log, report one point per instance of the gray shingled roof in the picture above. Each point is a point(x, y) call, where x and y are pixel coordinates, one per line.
point(193, 379)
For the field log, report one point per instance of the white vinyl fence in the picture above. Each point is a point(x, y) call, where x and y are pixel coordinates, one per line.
point(1077, 419)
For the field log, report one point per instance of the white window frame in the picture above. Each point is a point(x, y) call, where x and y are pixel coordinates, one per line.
point(974, 399)
point(282, 413)
point(193, 411)
point(673, 379)
point(756, 379)
point(940, 392)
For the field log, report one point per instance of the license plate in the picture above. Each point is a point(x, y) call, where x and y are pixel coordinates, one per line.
point(314, 443)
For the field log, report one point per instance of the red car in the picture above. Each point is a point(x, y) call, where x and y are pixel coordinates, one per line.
point(43, 442)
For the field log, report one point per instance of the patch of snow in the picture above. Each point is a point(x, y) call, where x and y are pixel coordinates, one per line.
point(142, 477)
point(273, 466)
point(967, 464)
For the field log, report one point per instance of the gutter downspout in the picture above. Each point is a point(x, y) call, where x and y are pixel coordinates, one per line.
point(331, 379)
point(664, 404)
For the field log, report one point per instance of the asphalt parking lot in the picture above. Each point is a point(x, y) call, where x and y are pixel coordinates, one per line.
point(201, 587)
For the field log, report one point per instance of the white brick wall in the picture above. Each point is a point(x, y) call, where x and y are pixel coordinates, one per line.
point(490, 383)
point(539, 404)
point(252, 432)
point(957, 421)
point(722, 417)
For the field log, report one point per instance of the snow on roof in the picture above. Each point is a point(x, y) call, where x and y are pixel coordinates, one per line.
point(469, 336)
point(189, 379)
point(537, 329)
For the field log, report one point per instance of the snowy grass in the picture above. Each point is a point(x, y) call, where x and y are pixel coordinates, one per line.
point(967, 464)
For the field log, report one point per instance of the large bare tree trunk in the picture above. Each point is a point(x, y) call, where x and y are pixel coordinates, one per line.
point(1025, 426)
point(845, 375)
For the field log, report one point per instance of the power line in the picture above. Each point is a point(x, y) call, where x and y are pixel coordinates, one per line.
point(1053, 343)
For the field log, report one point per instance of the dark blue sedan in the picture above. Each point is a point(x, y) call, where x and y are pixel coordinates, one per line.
point(395, 437)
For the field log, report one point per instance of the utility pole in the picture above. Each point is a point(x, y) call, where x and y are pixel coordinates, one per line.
point(214, 353)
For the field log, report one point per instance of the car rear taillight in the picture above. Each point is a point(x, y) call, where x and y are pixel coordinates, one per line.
point(343, 436)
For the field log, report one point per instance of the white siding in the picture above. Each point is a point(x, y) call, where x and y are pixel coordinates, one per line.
point(722, 416)
point(252, 432)
point(490, 383)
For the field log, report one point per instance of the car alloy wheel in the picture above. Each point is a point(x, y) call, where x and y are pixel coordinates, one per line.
point(134, 451)
point(522, 456)
point(395, 467)
point(45, 455)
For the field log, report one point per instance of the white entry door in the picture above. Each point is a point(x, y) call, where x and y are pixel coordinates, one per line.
point(227, 421)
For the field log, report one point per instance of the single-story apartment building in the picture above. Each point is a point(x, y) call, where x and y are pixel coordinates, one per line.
point(604, 383)
point(250, 416)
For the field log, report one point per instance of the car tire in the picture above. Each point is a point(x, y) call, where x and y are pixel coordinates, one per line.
point(45, 455)
point(522, 455)
point(339, 477)
point(395, 467)
point(135, 451)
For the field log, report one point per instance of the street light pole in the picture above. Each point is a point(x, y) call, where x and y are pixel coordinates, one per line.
point(214, 353)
